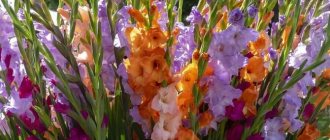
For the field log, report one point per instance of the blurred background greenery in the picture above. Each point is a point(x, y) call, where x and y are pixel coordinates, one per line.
point(187, 4)
point(52, 4)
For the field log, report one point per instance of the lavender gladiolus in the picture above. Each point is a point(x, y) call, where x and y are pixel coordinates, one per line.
point(236, 17)
point(252, 11)
point(195, 16)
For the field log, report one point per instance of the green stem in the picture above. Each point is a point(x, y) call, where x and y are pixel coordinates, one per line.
point(201, 4)
point(180, 10)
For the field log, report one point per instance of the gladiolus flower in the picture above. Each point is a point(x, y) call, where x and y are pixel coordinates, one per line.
point(61, 108)
point(260, 46)
point(235, 112)
point(137, 15)
point(255, 137)
point(77, 134)
point(310, 132)
point(206, 120)
point(320, 96)
point(255, 70)
point(166, 100)
point(249, 97)
point(235, 132)
point(26, 87)
point(236, 17)
point(186, 134)
point(308, 111)
point(252, 11)
point(167, 127)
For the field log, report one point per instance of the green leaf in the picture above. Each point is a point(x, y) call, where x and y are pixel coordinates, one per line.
point(318, 108)
point(313, 65)
point(73, 17)
point(43, 116)
point(326, 45)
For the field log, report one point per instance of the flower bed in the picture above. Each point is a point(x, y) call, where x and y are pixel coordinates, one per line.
point(97, 69)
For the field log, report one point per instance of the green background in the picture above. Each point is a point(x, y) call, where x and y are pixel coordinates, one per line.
point(187, 4)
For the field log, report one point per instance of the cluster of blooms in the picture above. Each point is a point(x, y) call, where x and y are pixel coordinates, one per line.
point(235, 52)
point(224, 74)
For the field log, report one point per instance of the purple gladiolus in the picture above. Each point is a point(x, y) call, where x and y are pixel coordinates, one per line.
point(78, 134)
point(105, 121)
point(252, 11)
point(220, 95)
point(26, 87)
point(255, 137)
point(273, 129)
point(163, 20)
point(290, 112)
point(61, 108)
point(271, 114)
point(227, 46)
point(195, 16)
point(235, 112)
point(32, 121)
point(32, 138)
point(272, 53)
point(308, 111)
point(236, 17)
point(145, 124)
point(184, 48)
point(16, 104)
point(84, 113)
point(235, 132)
point(3, 123)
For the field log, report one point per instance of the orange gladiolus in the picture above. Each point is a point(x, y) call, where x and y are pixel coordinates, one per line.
point(260, 45)
point(156, 37)
point(147, 112)
point(185, 85)
point(301, 21)
point(222, 23)
point(310, 132)
point(185, 103)
point(267, 17)
point(143, 42)
point(137, 15)
point(185, 134)
point(188, 78)
point(146, 66)
point(320, 96)
point(205, 119)
point(286, 34)
point(148, 69)
point(250, 96)
point(81, 50)
point(136, 40)
point(254, 71)
point(326, 73)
